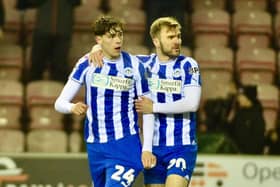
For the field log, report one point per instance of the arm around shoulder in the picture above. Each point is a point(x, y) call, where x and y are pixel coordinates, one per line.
point(189, 103)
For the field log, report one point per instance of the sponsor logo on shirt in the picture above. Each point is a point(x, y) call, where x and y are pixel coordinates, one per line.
point(165, 85)
point(111, 82)
point(193, 70)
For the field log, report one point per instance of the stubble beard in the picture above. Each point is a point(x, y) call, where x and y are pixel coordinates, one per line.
point(169, 53)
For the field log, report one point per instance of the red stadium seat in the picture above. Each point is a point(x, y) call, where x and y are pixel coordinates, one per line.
point(208, 4)
point(11, 62)
point(45, 117)
point(43, 92)
point(253, 40)
point(125, 4)
point(213, 22)
point(11, 102)
point(12, 16)
point(217, 21)
point(30, 16)
point(135, 22)
point(249, 5)
point(12, 141)
point(47, 141)
point(134, 19)
point(13, 21)
point(217, 40)
point(84, 16)
point(256, 65)
point(30, 19)
point(214, 58)
point(216, 66)
point(217, 90)
point(40, 98)
point(253, 22)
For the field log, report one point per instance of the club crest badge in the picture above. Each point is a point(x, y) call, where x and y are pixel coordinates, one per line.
point(128, 72)
point(176, 73)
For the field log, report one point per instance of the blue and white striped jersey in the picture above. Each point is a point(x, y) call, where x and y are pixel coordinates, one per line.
point(110, 94)
point(167, 82)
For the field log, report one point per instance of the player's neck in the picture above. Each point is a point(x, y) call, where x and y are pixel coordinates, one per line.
point(164, 58)
point(109, 57)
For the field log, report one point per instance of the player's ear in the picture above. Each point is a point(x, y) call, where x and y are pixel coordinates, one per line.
point(156, 42)
point(98, 39)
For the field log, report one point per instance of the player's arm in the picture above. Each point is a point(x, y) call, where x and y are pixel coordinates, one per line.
point(63, 103)
point(189, 103)
point(148, 159)
point(96, 56)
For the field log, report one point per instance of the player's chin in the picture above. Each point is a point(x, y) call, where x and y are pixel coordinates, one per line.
point(175, 53)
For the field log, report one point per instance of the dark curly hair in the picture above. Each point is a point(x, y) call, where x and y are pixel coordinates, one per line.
point(105, 24)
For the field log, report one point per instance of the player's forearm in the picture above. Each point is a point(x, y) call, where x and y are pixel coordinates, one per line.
point(63, 106)
point(189, 103)
point(63, 102)
point(148, 132)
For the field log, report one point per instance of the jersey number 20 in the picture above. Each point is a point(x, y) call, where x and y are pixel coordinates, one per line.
point(178, 163)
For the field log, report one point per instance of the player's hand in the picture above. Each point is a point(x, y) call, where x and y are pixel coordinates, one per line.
point(144, 105)
point(149, 160)
point(79, 108)
point(96, 56)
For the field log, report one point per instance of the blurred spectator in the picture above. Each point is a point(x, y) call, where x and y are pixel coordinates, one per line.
point(273, 141)
point(236, 121)
point(247, 126)
point(213, 126)
point(216, 110)
point(105, 6)
point(51, 37)
point(158, 8)
point(2, 18)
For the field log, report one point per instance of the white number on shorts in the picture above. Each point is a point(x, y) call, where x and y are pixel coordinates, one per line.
point(121, 174)
point(178, 163)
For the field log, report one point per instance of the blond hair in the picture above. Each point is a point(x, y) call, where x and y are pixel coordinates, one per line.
point(158, 24)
